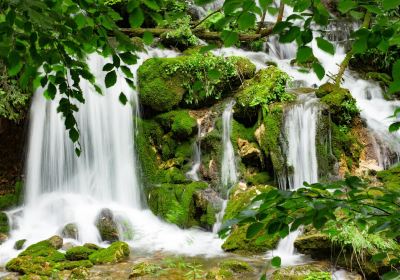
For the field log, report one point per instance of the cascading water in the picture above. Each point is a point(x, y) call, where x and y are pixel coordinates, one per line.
point(62, 188)
point(193, 173)
point(301, 130)
point(229, 174)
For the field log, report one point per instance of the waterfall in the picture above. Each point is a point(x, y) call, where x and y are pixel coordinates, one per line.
point(62, 188)
point(193, 173)
point(228, 165)
point(229, 174)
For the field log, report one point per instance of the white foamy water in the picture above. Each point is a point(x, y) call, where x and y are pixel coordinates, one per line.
point(62, 188)
point(193, 173)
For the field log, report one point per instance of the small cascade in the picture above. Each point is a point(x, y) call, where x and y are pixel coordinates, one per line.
point(193, 173)
point(301, 130)
point(229, 174)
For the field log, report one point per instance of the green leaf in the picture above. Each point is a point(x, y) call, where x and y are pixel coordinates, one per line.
point(80, 20)
point(110, 79)
point(391, 4)
point(379, 257)
point(14, 63)
point(128, 58)
point(276, 262)
point(126, 71)
point(229, 38)
point(304, 53)
point(108, 67)
point(346, 5)
point(290, 35)
point(254, 229)
point(214, 74)
point(148, 38)
point(122, 98)
point(394, 87)
point(319, 70)
point(50, 92)
point(394, 127)
point(396, 70)
point(325, 45)
point(246, 20)
point(392, 275)
point(73, 135)
point(136, 18)
point(151, 4)
point(132, 4)
point(207, 48)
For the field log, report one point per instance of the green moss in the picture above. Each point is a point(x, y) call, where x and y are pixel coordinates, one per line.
point(43, 249)
point(180, 123)
point(19, 244)
point(69, 265)
point(238, 201)
point(268, 86)
point(33, 277)
point(30, 265)
point(197, 79)
point(236, 266)
point(180, 204)
point(12, 199)
point(261, 178)
point(4, 223)
point(390, 178)
point(143, 269)
point(79, 273)
point(116, 252)
point(78, 253)
point(340, 103)
point(302, 272)
point(244, 66)
point(240, 131)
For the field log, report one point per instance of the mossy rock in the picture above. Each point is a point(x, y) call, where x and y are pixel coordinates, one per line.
point(143, 269)
point(69, 265)
point(158, 90)
point(70, 231)
point(236, 266)
point(116, 252)
point(19, 244)
point(303, 272)
point(180, 204)
point(31, 265)
point(10, 200)
point(56, 241)
point(4, 223)
point(78, 253)
point(196, 80)
point(107, 226)
point(180, 123)
point(390, 178)
point(318, 245)
point(260, 178)
point(44, 249)
point(237, 242)
point(33, 277)
point(340, 103)
point(266, 87)
point(79, 273)
point(244, 66)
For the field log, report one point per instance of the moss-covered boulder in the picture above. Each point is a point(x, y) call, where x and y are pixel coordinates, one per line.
point(317, 245)
point(183, 205)
point(69, 265)
point(107, 226)
point(237, 242)
point(4, 223)
point(268, 85)
point(316, 271)
point(180, 123)
point(390, 178)
point(116, 252)
point(340, 103)
point(70, 231)
point(79, 273)
point(236, 266)
point(45, 249)
point(78, 253)
point(56, 241)
point(19, 244)
point(196, 80)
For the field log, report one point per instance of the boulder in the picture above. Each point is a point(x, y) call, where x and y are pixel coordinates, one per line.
point(70, 231)
point(319, 271)
point(116, 252)
point(250, 153)
point(78, 253)
point(19, 244)
point(56, 241)
point(79, 273)
point(4, 223)
point(107, 226)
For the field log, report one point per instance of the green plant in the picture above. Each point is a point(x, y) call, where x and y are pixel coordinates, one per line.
point(195, 272)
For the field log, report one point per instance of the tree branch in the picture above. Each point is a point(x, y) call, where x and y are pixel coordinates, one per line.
point(204, 19)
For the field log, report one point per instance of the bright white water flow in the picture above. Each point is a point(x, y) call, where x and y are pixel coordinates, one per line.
point(193, 173)
point(301, 130)
point(62, 188)
point(229, 174)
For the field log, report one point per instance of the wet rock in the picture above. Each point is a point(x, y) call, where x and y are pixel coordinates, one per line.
point(250, 153)
point(3, 238)
point(107, 226)
point(92, 246)
point(70, 231)
point(317, 245)
point(236, 266)
point(301, 272)
point(19, 244)
point(56, 241)
point(4, 223)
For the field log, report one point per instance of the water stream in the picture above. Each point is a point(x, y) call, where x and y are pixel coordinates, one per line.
point(193, 173)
